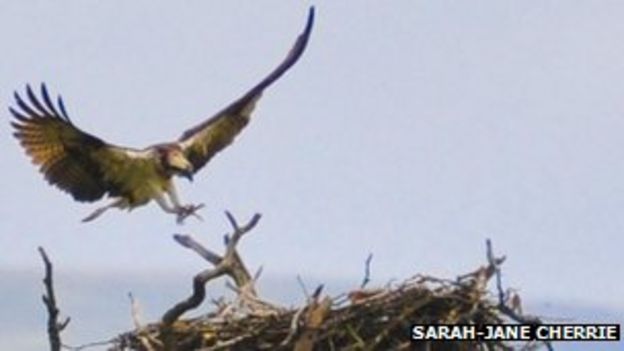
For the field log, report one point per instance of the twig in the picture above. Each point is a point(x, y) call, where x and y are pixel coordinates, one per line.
point(112, 341)
point(258, 274)
point(317, 292)
point(294, 326)
point(143, 336)
point(308, 308)
point(316, 312)
point(247, 296)
point(502, 305)
point(406, 312)
point(188, 242)
point(54, 326)
point(226, 345)
point(304, 288)
point(229, 264)
point(135, 311)
point(367, 265)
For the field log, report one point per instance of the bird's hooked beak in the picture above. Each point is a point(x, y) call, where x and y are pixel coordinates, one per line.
point(182, 165)
point(188, 174)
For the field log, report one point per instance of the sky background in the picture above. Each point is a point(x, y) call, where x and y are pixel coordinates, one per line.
point(410, 129)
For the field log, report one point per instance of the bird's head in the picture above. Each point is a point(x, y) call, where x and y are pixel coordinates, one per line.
point(174, 161)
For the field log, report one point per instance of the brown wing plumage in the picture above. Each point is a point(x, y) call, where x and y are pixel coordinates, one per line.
point(64, 153)
point(203, 141)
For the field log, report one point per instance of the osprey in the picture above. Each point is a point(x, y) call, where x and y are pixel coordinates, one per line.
point(88, 168)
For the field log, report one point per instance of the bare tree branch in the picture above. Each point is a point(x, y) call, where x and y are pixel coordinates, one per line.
point(315, 314)
point(188, 242)
point(135, 311)
point(304, 288)
point(367, 272)
point(229, 264)
point(49, 299)
point(91, 345)
point(494, 264)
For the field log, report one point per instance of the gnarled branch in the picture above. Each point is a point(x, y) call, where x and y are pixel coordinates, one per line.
point(229, 264)
point(49, 299)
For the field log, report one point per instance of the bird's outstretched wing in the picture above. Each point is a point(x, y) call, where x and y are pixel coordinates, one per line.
point(203, 141)
point(74, 161)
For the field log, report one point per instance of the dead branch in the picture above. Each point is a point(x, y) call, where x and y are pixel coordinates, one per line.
point(502, 306)
point(229, 264)
point(49, 299)
point(137, 320)
point(294, 326)
point(303, 287)
point(316, 312)
point(367, 272)
point(135, 312)
point(98, 344)
point(54, 326)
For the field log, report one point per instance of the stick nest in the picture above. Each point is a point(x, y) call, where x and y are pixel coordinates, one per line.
point(364, 319)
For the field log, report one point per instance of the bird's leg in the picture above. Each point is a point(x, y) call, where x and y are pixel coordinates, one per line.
point(120, 203)
point(180, 211)
point(162, 202)
point(183, 211)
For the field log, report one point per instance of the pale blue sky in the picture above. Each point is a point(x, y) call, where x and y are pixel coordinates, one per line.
point(412, 129)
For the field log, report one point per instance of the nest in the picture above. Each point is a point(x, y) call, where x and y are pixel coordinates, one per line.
point(364, 319)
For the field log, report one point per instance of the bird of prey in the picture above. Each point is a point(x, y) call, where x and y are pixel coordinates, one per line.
point(88, 168)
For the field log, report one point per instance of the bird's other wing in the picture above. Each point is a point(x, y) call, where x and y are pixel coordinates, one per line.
point(203, 141)
point(74, 161)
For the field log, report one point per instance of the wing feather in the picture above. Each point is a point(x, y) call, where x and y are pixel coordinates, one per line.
point(203, 141)
point(72, 160)
point(46, 100)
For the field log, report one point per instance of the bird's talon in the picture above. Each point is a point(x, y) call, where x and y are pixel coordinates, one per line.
point(188, 210)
